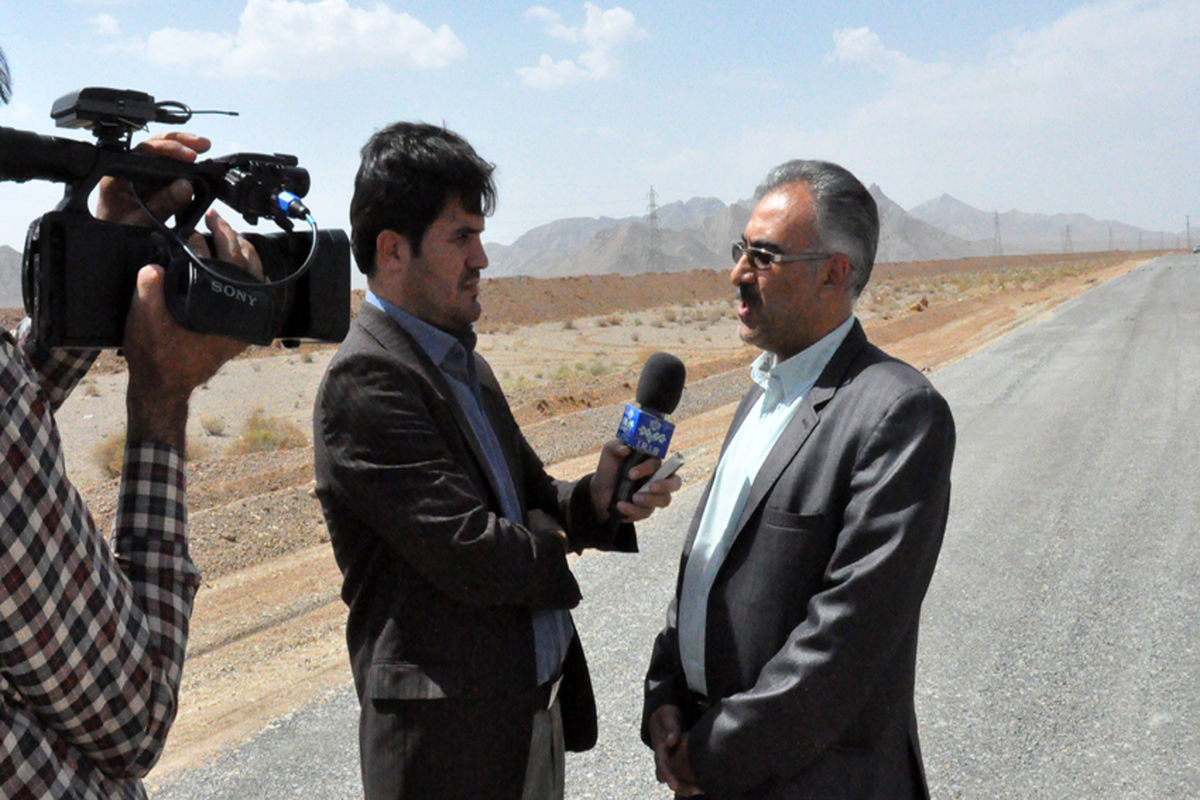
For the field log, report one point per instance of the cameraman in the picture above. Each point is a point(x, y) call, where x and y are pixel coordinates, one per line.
point(92, 633)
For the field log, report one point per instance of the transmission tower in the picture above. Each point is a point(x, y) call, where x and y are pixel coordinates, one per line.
point(654, 248)
point(1067, 246)
point(1110, 239)
point(997, 247)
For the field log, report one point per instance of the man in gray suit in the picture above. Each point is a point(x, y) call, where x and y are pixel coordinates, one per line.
point(451, 537)
point(786, 666)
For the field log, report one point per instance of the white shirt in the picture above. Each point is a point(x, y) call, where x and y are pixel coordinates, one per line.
point(785, 385)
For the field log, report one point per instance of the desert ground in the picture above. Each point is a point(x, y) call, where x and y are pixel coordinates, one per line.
point(267, 632)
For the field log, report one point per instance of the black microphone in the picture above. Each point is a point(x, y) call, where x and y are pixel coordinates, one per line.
point(643, 426)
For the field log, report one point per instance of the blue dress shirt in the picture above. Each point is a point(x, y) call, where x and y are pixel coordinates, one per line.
point(452, 353)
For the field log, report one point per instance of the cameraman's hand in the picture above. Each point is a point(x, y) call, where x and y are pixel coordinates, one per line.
point(166, 361)
point(116, 201)
point(230, 247)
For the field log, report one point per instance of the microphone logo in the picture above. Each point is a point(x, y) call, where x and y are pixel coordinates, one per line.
point(645, 432)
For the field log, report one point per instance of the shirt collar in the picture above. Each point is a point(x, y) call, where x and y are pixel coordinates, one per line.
point(787, 381)
point(448, 350)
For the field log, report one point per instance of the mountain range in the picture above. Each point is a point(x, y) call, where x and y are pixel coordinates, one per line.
point(696, 234)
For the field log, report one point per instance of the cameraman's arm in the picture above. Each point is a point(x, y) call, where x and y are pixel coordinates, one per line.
point(92, 644)
point(58, 370)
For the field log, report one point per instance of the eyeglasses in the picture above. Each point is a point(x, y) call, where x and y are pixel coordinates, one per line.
point(763, 259)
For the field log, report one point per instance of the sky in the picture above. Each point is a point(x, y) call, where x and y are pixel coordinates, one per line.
point(1043, 106)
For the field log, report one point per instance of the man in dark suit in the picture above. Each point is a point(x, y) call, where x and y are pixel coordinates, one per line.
point(786, 666)
point(451, 537)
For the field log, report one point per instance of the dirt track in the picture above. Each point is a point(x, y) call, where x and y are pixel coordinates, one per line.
point(267, 629)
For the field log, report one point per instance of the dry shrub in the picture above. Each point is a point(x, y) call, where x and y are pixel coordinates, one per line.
point(213, 425)
point(109, 453)
point(262, 433)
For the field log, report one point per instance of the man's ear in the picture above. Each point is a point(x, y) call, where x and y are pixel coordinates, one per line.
point(837, 274)
point(392, 251)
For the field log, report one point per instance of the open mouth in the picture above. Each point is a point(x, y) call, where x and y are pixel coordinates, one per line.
point(749, 298)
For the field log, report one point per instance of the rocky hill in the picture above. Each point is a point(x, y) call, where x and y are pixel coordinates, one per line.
point(697, 238)
point(692, 235)
point(696, 235)
point(903, 237)
point(1021, 232)
point(10, 278)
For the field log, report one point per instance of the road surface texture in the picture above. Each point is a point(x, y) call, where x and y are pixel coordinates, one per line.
point(1059, 654)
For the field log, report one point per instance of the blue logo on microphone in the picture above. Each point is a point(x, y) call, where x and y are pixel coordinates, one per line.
point(645, 432)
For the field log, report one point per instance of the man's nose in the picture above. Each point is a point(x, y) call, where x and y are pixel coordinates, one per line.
point(742, 272)
point(477, 258)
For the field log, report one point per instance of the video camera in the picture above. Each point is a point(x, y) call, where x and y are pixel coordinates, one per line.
point(79, 273)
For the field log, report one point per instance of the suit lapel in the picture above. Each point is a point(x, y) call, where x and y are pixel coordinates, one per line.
point(396, 340)
point(794, 436)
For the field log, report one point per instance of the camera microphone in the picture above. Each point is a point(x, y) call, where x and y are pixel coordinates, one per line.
point(644, 426)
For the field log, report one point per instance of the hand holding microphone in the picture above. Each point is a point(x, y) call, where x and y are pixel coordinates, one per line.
point(644, 427)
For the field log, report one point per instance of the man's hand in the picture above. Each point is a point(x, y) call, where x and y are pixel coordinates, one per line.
point(671, 763)
point(116, 201)
point(656, 494)
point(167, 361)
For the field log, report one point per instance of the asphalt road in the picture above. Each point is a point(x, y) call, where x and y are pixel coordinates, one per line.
point(1060, 637)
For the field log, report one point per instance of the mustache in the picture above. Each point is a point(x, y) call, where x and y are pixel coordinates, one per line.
point(748, 293)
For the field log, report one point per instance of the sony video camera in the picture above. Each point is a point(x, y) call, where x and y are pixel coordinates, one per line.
point(79, 273)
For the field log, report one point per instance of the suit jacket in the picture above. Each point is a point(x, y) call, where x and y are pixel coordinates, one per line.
point(440, 586)
point(811, 628)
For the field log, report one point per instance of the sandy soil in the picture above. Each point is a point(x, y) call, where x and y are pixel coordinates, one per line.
point(267, 633)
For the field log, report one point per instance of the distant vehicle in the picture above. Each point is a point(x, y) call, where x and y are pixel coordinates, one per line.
point(1196, 249)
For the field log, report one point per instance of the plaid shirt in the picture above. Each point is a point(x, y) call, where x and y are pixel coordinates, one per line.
point(92, 633)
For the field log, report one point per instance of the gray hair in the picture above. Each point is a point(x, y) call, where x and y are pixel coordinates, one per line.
point(847, 219)
point(5, 80)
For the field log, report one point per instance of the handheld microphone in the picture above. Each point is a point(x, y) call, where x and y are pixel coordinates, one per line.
point(643, 426)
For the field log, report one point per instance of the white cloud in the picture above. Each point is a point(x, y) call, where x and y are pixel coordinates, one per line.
point(105, 25)
point(553, 22)
point(602, 33)
point(293, 39)
point(1123, 52)
point(175, 48)
point(1107, 89)
point(549, 73)
point(863, 46)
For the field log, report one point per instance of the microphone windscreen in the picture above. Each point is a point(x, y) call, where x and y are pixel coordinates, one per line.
point(661, 383)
